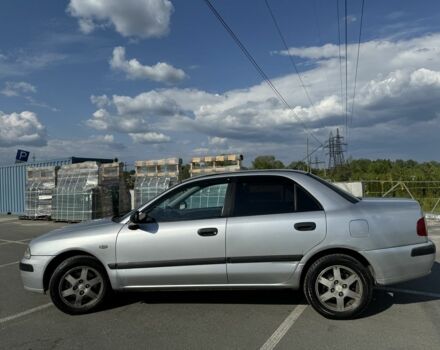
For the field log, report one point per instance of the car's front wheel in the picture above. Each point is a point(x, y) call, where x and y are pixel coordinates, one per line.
point(78, 285)
point(338, 286)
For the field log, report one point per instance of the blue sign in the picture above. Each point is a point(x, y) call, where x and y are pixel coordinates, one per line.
point(22, 156)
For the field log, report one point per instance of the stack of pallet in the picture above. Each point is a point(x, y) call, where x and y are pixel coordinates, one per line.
point(112, 177)
point(40, 182)
point(83, 193)
point(155, 176)
point(215, 164)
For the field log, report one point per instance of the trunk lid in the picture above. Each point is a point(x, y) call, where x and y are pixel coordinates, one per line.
point(393, 221)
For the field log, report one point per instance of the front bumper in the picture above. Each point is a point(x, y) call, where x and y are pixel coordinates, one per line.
point(399, 264)
point(32, 271)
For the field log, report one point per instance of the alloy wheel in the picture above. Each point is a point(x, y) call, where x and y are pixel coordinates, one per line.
point(339, 288)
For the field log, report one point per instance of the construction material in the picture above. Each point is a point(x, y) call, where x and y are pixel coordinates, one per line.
point(112, 178)
point(40, 184)
point(154, 177)
point(13, 181)
point(88, 191)
point(215, 164)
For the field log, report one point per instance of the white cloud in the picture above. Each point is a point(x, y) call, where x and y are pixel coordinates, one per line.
point(14, 88)
point(150, 103)
point(150, 138)
point(315, 52)
point(133, 69)
point(132, 114)
point(21, 129)
point(99, 146)
point(218, 141)
point(26, 61)
point(130, 18)
point(100, 101)
point(398, 82)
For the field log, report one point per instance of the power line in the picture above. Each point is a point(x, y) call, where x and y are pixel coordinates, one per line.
point(357, 60)
point(340, 56)
point(346, 71)
point(275, 22)
point(258, 68)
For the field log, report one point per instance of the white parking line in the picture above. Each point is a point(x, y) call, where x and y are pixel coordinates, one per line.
point(8, 219)
point(9, 264)
point(409, 291)
point(283, 328)
point(6, 241)
point(24, 313)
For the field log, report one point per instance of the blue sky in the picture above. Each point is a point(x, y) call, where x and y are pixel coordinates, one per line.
point(144, 79)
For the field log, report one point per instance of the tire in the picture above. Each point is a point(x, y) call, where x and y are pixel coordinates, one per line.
point(338, 286)
point(79, 285)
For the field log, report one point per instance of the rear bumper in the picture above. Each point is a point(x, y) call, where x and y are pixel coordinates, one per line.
point(399, 264)
point(32, 271)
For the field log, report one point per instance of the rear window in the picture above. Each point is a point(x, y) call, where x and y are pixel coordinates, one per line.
point(348, 196)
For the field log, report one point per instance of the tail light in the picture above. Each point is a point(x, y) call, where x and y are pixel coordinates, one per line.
point(421, 227)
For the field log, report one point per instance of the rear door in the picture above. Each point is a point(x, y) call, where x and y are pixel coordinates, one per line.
point(273, 222)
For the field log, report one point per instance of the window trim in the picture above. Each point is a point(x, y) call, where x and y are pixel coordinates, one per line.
point(286, 179)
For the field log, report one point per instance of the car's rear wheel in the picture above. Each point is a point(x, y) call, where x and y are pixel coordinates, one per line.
point(338, 286)
point(78, 285)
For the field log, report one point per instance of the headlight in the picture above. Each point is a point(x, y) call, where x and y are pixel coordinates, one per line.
point(27, 253)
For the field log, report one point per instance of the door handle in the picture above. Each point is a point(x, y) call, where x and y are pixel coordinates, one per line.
point(305, 226)
point(205, 232)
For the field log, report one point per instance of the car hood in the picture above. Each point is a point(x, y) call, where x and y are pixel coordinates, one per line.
point(74, 235)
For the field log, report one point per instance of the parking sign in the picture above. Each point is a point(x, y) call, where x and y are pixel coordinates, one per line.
point(22, 156)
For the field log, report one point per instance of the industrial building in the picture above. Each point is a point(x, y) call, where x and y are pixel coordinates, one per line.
point(13, 181)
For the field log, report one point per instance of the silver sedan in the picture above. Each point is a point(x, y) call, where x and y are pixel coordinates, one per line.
point(251, 229)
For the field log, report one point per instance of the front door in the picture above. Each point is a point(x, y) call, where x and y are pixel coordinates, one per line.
point(181, 242)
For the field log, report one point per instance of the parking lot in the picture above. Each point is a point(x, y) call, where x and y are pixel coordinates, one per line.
point(406, 316)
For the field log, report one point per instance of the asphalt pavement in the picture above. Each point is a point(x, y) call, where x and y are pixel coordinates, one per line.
point(404, 316)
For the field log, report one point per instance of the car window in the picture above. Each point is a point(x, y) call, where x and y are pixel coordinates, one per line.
point(305, 201)
point(271, 195)
point(194, 202)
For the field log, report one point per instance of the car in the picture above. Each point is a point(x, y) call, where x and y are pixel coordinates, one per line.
point(242, 230)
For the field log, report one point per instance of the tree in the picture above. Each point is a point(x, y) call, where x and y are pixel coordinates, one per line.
point(299, 165)
point(267, 162)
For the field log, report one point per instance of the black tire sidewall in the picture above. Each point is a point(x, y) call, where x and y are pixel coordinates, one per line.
point(344, 260)
point(62, 269)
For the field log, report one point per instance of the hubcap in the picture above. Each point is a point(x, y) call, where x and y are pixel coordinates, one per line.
point(339, 288)
point(81, 287)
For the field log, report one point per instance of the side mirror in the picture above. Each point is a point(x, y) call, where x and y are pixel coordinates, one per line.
point(137, 218)
point(134, 218)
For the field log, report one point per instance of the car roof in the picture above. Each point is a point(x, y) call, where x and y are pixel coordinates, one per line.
point(246, 172)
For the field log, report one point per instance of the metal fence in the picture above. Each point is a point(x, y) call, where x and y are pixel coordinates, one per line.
point(427, 193)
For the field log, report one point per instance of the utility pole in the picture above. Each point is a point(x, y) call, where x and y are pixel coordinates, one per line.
point(316, 163)
point(307, 155)
point(335, 150)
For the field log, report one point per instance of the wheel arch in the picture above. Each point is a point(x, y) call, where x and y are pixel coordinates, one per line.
point(58, 259)
point(347, 251)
